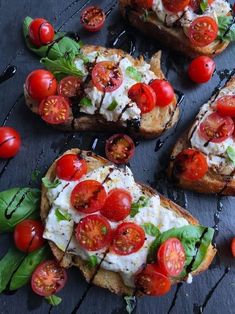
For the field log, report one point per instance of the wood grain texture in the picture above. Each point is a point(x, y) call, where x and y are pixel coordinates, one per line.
point(214, 290)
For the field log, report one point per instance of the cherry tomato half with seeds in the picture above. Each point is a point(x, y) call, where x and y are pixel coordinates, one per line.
point(71, 167)
point(203, 31)
point(152, 281)
point(201, 69)
point(233, 247)
point(175, 5)
point(70, 86)
point(216, 128)
point(128, 238)
point(226, 106)
point(41, 84)
point(190, 164)
point(93, 233)
point(142, 4)
point(10, 142)
point(28, 235)
point(41, 32)
point(117, 205)
point(48, 278)
point(171, 257)
point(144, 96)
point(88, 196)
point(93, 18)
point(164, 92)
point(119, 148)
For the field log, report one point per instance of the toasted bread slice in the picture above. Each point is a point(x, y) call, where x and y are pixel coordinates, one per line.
point(212, 182)
point(172, 37)
point(101, 277)
point(152, 124)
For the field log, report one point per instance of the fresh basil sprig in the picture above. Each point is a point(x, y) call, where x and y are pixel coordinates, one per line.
point(231, 153)
point(151, 230)
point(203, 5)
point(226, 28)
point(62, 215)
point(53, 300)
point(86, 102)
point(133, 73)
point(135, 207)
point(50, 185)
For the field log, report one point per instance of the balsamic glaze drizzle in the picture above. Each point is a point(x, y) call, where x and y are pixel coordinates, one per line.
point(179, 285)
point(8, 73)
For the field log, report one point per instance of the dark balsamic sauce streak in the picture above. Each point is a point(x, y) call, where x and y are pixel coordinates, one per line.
point(107, 13)
point(5, 167)
point(230, 26)
point(9, 215)
point(219, 209)
point(175, 297)
point(11, 109)
point(8, 73)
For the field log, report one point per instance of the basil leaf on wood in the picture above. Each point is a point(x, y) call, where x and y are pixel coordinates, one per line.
point(50, 185)
point(16, 205)
point(53, 300)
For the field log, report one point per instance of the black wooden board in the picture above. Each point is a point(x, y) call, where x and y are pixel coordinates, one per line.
point(214, 290)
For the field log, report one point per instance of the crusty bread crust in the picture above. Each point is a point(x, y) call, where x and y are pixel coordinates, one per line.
point(101, 277)
point(152, 124)
point(172, 37)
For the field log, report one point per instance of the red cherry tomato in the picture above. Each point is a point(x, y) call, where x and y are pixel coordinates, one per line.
point(41, 84)
point(70, 86)
point(171, 257)
point(71, 167)
point(128, 238)
point(152, 281)
point(144, 96)
point(54, 109)
point(119, 148)
point(203, 31)
point(190, 164)
point(88, 196)
point(28, 235)
point(233, 247)
point(142, 4)
point(107, 76)
point(216, 128)
point(93, 18)
point(226, 106)
point(164, 92)
point(93, 233)
point(41, 32)
point(201, 69)
point(175, 5)
point(10, 142)
point(48, 278)
point(117, 205)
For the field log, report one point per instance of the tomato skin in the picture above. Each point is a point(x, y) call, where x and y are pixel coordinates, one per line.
point(164, 92)
point(71, 167)
point(117, 205)
point(48, 278)
point(175, 5)
point(144, 96)
point(171, 257)
point(69, 86)
point(41, 84)
point(119, 148)
point(201, 69)
point(28, 235)
point(10, 142)
point(203, 31)
point(41, 32)
point(152, 281)
point(233, 247)
point(93, 18)
point(142, 4)
point(93, 232)
point(190, 164)
point(226, 106)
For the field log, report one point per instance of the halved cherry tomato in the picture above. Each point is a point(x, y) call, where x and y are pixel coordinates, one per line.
point(93, 18)
point(54, 109)
point(152, 281)
point(216, 128)
point(233, 247)
point(203, 31)
point(10, 142)
point(41, 84)
point(226, 106)
point(190, 164)
point(119, 148)
point(128, 238)
point(71, 167)
point(48, 278)
point(28, 235)
point(88, 196)
point(171, 257)
point(175, 5)
point(144, 96)
point(142, 4)
point(201, 69)
point(41, 32)
point(195, 4)
point(117, 205)
point(164, 92)
point(107, 76)
point(70, 86)
point(93, 233)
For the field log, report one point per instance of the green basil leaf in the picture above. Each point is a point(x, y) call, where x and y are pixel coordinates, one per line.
point(113, 105)
point(85, 102)
point(50, 185)
point(151, 230)
point(27, 267)
point(92, 261)
point(203, 5)
point(130, 303)
point(231, 153)
point(16, 205)
point(135, 207)
point(53, 300)
point(62, 215)
point(226, 28)
point(134, 74)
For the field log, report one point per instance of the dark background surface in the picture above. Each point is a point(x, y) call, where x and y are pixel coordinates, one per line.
point(214, 290)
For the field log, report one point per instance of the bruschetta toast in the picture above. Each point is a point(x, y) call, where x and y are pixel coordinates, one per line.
point(204, 158)
point(114, 246)
point(183, 25)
